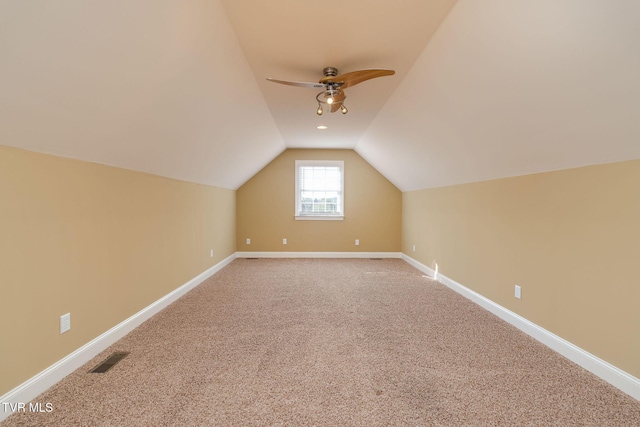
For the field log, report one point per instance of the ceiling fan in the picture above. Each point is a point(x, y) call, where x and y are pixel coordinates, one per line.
point(333, 86)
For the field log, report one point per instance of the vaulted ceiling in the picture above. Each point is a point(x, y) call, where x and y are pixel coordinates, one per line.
point(482, 90)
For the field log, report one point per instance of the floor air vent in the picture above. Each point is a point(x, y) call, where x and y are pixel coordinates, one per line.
point(109, 363)
point(376, 259)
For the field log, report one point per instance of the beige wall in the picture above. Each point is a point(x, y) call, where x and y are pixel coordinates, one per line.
point(266, 205)
point(99, 242)
point(570, 238)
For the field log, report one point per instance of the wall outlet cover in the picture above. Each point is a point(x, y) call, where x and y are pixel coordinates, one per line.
point(65, 323)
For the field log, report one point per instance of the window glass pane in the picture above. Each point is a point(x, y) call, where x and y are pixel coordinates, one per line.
point(323, 178)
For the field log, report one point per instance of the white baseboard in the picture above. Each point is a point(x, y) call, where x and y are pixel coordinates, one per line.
point(614, 376)
point(318, 254)
point(36, 385)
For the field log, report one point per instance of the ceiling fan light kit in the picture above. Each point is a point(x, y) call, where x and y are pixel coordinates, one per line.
point(331, 97)
point(333, 84)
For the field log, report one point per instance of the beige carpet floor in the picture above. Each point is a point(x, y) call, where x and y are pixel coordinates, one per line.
point(327, 342)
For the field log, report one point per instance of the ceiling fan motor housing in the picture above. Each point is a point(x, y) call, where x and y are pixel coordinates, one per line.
point(330, 72)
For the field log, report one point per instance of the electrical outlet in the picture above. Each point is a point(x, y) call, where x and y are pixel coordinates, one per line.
point(414, 248)
point(248, 241)
point(357, 242)
point(65, 323)
point(211, 253)
point(284, 241)
point(518, 292)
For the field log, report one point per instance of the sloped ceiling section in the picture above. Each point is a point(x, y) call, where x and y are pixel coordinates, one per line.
point(158, 86)
point(509, 88)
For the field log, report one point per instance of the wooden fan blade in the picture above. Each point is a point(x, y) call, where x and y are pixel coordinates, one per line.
point(337, 101)
point(300, 84)
point(354, 77)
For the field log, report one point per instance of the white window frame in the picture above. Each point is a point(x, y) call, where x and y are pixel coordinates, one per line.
point(319, 163)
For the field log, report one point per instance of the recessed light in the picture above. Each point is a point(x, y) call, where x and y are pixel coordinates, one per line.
point(321, 127)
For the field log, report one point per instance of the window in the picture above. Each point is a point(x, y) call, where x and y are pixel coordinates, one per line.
point(319, 189)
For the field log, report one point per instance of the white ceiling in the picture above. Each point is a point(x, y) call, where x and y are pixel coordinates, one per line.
point(295, 40)
point(177, 87)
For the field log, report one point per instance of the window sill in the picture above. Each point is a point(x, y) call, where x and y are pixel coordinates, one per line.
point(319, 218)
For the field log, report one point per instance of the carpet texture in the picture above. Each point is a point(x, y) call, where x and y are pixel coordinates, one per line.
point(330, 342)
